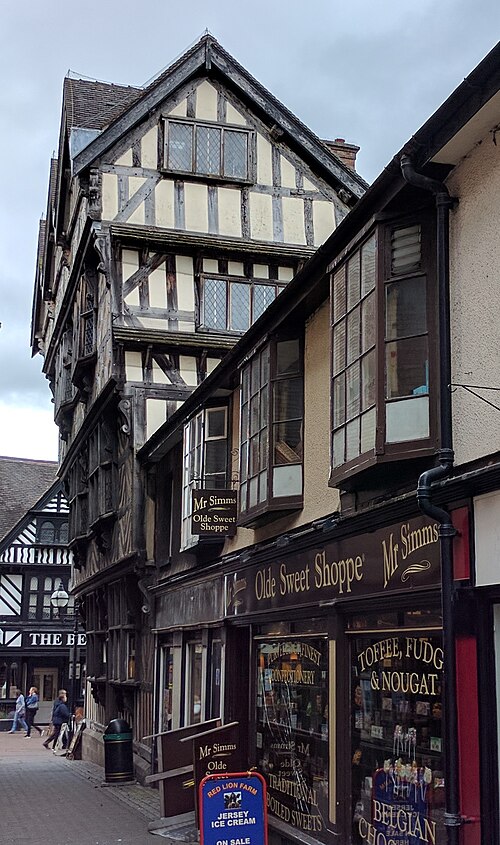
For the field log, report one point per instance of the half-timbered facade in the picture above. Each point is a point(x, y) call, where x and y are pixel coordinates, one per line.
point(36, 638)
point(177, 213)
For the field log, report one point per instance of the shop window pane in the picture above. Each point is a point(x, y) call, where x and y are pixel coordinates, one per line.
point(368, 327)
point(368, 364)
point(195, 653)
point(339, 347)
point(407, 367)
point(253, 492)
point(287, 399)
point(216, 422)
point(407, 419)
point(180, 146)
point(368, 255)
point(353, 280)
point(243, 497)
point(353, 395)
point(287, 480)
point(353, 336)
point(263, 486)
point(292, 729)
point(215, 679)
point(368, 423)
point(168, 684)
point(288, 442)
point(339, 447)
point(339, 293)
point(352, 440)
point(406, 308)
point(287, 357)
point(405, 250)
point(397, 765)
point(339, 401)
point(235, 154)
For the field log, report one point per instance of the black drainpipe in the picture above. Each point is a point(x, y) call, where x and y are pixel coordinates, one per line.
point(444, 202)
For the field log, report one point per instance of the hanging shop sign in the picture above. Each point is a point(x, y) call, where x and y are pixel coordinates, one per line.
point(232, 809)
point(397, 558)
point(214, 513)
point(217, 751)
point(53, 639)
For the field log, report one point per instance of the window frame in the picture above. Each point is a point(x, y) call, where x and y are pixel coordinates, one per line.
point(349, 475)
point(194, 173)
point(272, 504)
point(229, 281)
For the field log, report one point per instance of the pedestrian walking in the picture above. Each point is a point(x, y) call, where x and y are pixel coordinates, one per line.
point(31, 701)
point(60, 714)
point(19, 713)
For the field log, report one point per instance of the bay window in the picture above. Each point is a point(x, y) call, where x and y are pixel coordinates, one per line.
point(382, 316)
point(271, 431)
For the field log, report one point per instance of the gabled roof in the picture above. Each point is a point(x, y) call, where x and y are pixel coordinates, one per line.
point(22, 484)
point(124, 108)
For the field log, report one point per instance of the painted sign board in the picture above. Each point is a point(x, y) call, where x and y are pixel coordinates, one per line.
point(232, 809)
point(214, 513)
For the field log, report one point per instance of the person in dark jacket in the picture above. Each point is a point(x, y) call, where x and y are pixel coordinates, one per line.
point(60, 714)
point(31, 710)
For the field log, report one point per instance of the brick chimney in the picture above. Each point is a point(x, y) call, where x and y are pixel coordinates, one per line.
point(345, 152)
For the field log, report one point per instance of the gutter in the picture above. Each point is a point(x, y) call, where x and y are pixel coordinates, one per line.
point(452, 817)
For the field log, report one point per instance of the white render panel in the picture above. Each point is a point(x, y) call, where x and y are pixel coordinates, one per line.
point(130, 263)
point(308, 185)
point(159, 376)
point(125, 159)
point(229, 212)
point(180, 110)
point(210, 265)
point(196, 207)
point(487, 538)
point(211, 364)
point(132, 298)
point(264, 161)
point(153, 322)
point(206, 101)
point(285, 274)
point(137, 216)
point(234, 116)
point(293, 220)
point(185, 282)
point(323, 221)
point(187, 366)
point(133, 366)
point(164, 204)
point(235, 268)
point(158, 288)
point(260, 271)
point(184, 326)
point(109, 196)
point(149, 149)
point(287, 173)
point(156, 415)
point(261, 217)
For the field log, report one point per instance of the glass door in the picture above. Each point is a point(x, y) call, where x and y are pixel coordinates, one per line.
point(46, 681)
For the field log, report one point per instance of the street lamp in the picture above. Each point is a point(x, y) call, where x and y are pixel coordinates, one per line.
point(59, 600)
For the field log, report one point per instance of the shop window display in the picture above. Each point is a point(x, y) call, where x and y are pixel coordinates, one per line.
point(397, 765)
point(292, 730)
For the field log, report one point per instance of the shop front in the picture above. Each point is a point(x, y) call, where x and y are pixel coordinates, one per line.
point(347, 681)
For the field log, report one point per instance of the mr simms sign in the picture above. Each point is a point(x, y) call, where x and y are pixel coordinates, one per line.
point(214, 513)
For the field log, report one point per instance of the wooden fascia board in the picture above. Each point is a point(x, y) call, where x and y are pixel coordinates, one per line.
point(133, 115)
point(167, 340)
point(216, 243)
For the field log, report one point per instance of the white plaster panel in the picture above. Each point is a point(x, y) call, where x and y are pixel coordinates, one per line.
point(474, 300)
point(159, 376)
point(261, 217)
point(137, 216)
point(287, 173)
point(132, 298)
point(229, 201)
point(109, 196)
point(210, 265)
point(125, 159)
point(133, 366)
point(180, 110)
point(184, 326)
point(260, 271)
point(211, 364)
point(235, 268)
point(158, 288)
point(487, 538)
point(323, 221)
point(153, 323)
point(293, 220)
point(264, 161)
point(149, 148)
point(308, 185)
point(206, 101)
point(130, 263)
point(234, 116)
point(185, 282)
point(164, 204)
point(187, 365)
point(285, 274)
point(134, 183)
point(156, 415)
point(196, 207)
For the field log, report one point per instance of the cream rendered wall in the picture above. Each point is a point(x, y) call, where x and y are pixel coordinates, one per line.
point(475, 299)
point(319, 499)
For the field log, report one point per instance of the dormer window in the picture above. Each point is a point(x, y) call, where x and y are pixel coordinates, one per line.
point(205, 149)
point(383, 318)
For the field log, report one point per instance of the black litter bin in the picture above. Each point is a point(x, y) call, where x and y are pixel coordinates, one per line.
point(118, 758)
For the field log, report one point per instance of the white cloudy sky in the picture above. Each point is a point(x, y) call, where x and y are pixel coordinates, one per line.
point(370, 72)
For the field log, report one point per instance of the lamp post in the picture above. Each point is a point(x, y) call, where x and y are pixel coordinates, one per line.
point(60, 600)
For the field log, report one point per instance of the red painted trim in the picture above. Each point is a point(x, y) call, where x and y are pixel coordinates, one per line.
point(461, 544)
point(468, 738)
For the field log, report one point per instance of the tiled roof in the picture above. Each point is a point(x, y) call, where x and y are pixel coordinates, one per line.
point(22, 484)
point(94, 105)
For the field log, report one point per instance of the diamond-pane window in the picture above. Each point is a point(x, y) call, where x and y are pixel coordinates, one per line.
point(234, 305)
point(214, 304)
point(240, 307)
point(180, 146)
point(208, 150)
point(235, 154)
point(263, 295)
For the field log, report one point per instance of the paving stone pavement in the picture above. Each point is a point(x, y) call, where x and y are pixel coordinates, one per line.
point(49, 800)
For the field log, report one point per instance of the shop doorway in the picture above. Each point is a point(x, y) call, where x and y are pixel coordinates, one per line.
point(46, 681)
